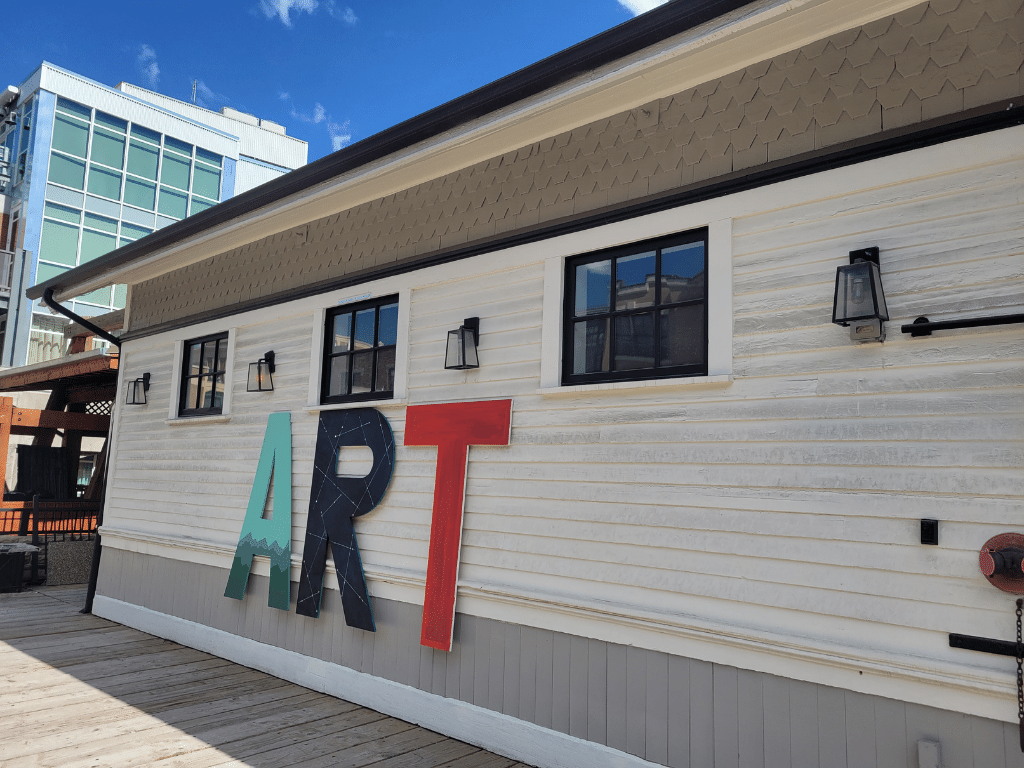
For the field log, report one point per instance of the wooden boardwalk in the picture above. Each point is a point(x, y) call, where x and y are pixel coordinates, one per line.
point(83, 691)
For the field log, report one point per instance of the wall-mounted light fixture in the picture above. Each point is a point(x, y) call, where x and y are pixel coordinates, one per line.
point(260, 374)
point(859, 300)
point(137, 390)
point(461, 354)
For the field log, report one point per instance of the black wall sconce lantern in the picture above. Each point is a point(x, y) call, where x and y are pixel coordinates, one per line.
point(859, 299)
point(137, 390)
point(461, 353)
point(261, 377)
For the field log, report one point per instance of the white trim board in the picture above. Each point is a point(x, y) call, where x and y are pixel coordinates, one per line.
point(505, 735)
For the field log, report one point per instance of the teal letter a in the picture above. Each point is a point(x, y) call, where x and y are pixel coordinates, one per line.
point(269, 538)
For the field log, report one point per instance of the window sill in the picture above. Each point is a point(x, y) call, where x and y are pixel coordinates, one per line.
point(182, 421)
point(399, 402)
point(720, 380)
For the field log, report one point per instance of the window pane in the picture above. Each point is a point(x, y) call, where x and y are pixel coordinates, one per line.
point(385, 370)
point(208, 157)
point(222, 355)
point(362, 372)
point(100, 296)
point(64, 105)
point(175, 171)
point(70, 136)
point(205, 391)
point(590, 346)
point(198, 205)
point(209, 356)
point(634, 341)
point(109, 121)
point(67, 171)
point(388, 333)
point(142, 160)
point(133, 231)
point(342, 333)
point(46, 271)
point(59, 243)
point(104, 182)
point(63, 213)
point(101, 222)
point(192, 393)
point(593, 288)
point(682, 336)
point(120, 295)
point(634, 281)
point(107, 148)
point(218, 390)
point(194, 357)
point(178, 146)
point(364, 329)
point(206, 182)
point(140, 193)
point(682, 273)
point(96, 244)
point(145, 133)
point(172, 203)
point(338, 384)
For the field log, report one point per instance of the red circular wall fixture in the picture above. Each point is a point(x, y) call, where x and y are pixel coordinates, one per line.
point(999, 549)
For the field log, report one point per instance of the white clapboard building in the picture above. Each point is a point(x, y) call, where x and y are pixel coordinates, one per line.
point(700, 541)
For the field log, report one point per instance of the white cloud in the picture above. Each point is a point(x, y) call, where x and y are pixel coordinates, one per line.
point(284, 96)
point(341, 136)
point(346, 14)
point(148, 66)
point(282, 9)
point(209, 99)
point(340, 133)
point(636, 7)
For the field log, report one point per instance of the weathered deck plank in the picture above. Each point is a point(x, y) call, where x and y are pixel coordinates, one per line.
point(82, 691)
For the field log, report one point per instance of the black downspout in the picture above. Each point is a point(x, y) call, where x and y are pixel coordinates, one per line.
point(94, 570)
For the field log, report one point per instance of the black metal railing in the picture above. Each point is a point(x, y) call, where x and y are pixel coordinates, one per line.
point(43, 521)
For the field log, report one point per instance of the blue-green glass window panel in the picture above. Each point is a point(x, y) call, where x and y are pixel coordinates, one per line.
point(105, 183)
point(173, 203)
point(100, 296)
point(96, 244)
point(45, 271)
point(59, 242)
point(143, 159)
point(206, 182)
point(120, 296)
point(62, 212)
point(67, 171)
point(73, 108)
point(133, 230)
point(144, 133)
point(198, 205)
point(209, 157)
point(114, 123)
point(70, 135)
point(107, 148)
point(175, 171)
point(178, 146)
point(140, 193)
point(101, 222)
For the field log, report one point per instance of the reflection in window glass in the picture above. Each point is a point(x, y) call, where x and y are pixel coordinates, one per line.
point(364, 329)
point(45, 272)
point(69, 135)
point(682, 335)
point(206, 182)
point(388, 333)
point(634, 280)
point(73, 108)
point(142, 160)
point(140, 193)
point(133, 230)
point(175, 171)
point(96, 244)
point(105, 183)
point(591, 350)
point(59, 242)
point(198, 204)
point(120, 296)
point(342, 333)
point(144, 133)
point(593, 287)
point(682, 273)
point(172, 203)
point(634, 341)
point(100, 296)
point(111, 122)
point(362, 373)
point(107, 148)
point(208, 157)
point(359, 351)
point(63, 213)
point(101, 222)
point(67, 171)
point(178, 146)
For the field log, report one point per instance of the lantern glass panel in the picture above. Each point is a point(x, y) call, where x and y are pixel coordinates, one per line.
point(858, 293)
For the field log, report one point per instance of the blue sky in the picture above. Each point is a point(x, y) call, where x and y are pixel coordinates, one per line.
point(332, 71)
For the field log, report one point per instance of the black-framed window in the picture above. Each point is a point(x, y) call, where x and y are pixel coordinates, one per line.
point(637, 312)
point(203, 372)
point(359, 351)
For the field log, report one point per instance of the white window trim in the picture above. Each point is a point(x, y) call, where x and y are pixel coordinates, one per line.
point(229, 380)
point(720, 320)
point(316, 357)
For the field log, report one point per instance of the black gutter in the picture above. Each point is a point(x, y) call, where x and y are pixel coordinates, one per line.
point(937, 131)
point(48, 301)
point(628, 38)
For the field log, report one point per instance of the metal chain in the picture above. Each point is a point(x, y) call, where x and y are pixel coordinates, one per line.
point(1020, 673)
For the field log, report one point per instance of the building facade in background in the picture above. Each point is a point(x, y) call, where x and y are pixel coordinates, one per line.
point(93, 168)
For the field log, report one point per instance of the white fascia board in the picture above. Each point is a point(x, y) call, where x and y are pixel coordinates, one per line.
point(727, 44)
point(114, 102)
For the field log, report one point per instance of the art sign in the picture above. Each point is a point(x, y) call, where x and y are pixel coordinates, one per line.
point(335, 501)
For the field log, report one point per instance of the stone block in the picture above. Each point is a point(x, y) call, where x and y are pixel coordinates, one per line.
point(68, 562)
